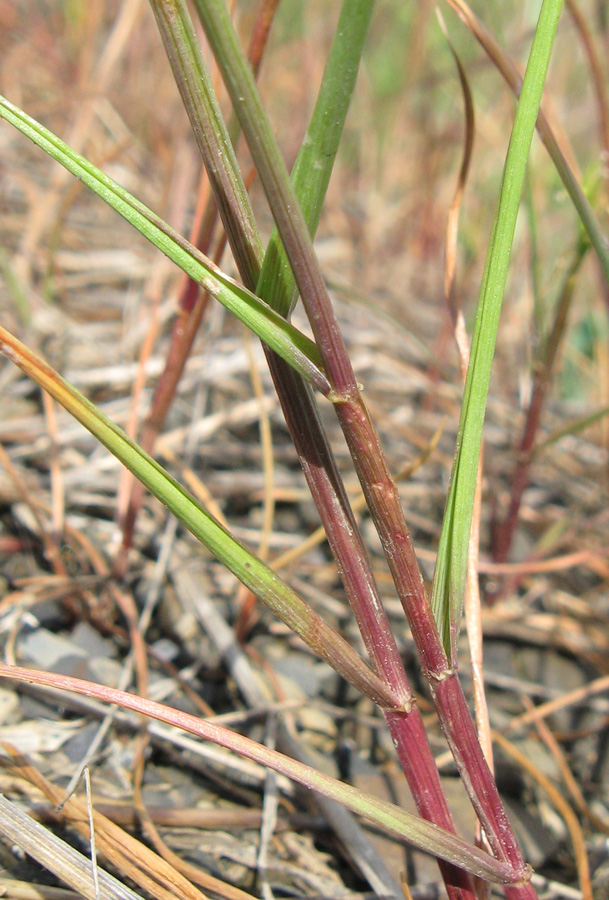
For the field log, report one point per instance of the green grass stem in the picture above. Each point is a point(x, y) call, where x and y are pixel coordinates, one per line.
point(194, 83)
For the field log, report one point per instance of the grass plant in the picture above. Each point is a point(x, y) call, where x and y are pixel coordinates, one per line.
point(270, 283)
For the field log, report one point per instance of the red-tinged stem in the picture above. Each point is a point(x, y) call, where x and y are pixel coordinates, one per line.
point(409, 738)
point(297, 242)
point(314, 451)
point(384, 504)
point(449, 699)
point(462, 738)
point(383, 501)
point(324, 481)
point(193, 301)
point(260, 33)
point(328, 492)
point(503, 533)
point(524, 891)
point(362, 438)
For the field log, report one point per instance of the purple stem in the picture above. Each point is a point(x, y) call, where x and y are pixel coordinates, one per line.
point(503, 532)
point(383, 502)
point(362, 438)
point(453, 712)
point(324, 481)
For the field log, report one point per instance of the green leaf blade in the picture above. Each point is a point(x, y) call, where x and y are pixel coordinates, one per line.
point(315, 160)
point(324, 640)
point(286, 340)
point(451, 568)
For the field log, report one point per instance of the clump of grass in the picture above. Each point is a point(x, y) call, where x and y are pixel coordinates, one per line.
point(271, 281)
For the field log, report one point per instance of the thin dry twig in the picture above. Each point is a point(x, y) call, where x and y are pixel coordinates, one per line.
point(245, 599)
point(472, 589)
point(571, 698)
point(115, 845)
point(45, 209)
point(58, 857)
point(567, 775)
point(561, 805)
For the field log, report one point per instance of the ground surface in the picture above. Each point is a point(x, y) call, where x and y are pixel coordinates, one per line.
point(91, 296)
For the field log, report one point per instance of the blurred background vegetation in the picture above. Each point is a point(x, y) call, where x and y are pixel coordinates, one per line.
point(96, 74)
point(398, 162)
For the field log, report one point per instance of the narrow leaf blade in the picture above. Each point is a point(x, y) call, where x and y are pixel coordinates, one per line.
point(418, 832)
point(286, 340)
point(451, 567)
point(323, 640)
point(315, 160)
